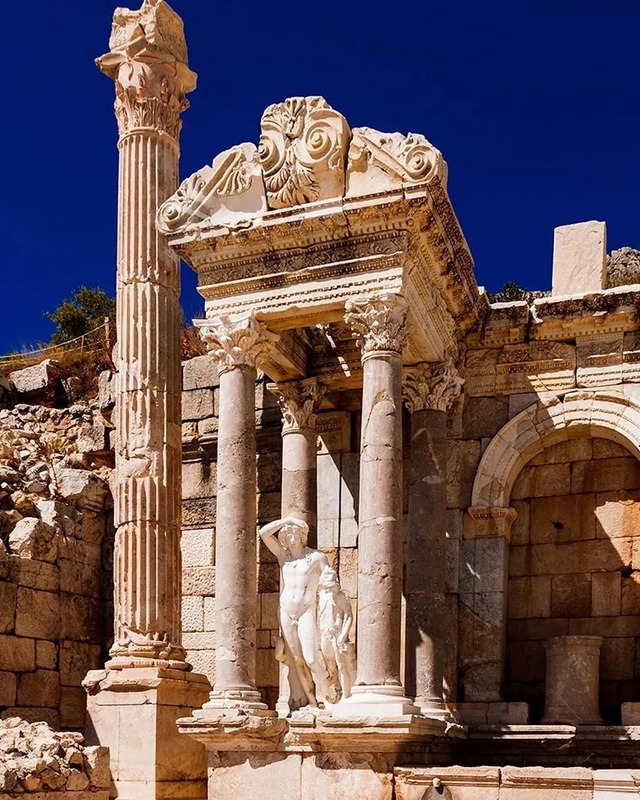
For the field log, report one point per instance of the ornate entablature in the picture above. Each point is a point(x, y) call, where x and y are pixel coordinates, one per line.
point(320, 215)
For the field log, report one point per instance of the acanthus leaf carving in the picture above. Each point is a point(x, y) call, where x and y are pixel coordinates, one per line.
point(379, 322)
point(230, 192)
point(237, 342)
point(431, 387)
point(148, 62)
point(303, 151)
point(299, 402)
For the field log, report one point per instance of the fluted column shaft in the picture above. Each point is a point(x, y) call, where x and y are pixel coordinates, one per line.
point(152, 79)
point(236, 346)
point(429, 391)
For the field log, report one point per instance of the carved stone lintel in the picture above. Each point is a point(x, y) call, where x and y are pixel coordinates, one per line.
point(237, 342)
point(303, 150)
point(148, 62)
point(299, 402)
point(431, 387)
point(379, 322)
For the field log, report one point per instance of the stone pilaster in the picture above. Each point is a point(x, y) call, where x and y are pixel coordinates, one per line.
point(237, 345)
point(379, 324)
point(299, 402)
point(429, 390)
point(148, 62)
point(147, 685)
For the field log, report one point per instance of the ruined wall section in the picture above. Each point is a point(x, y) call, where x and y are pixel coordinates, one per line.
point(56, 533)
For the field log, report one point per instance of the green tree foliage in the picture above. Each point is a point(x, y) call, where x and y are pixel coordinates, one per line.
point(85, 311)
point(511, 292)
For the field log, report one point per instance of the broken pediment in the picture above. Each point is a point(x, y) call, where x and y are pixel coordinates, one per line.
point(307, 154)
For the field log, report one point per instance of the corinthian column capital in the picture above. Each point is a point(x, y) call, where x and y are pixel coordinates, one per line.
point(148, 62)
point(238, 342)
point(379, 322)
point(431, 387)
point(299, 402)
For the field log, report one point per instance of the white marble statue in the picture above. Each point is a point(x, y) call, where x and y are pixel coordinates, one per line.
point(315, 616)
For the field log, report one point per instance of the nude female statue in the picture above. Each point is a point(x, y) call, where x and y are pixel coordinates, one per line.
point(300, 570)
point(335, 619)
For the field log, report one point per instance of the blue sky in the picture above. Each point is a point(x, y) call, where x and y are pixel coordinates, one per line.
point(534, 105)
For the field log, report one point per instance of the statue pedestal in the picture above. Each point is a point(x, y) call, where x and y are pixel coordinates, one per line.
point(314, 755)
point(572, 681)
point(133, 712)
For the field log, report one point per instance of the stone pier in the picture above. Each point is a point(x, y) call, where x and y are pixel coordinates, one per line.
point(429, 391)
point(147, 684)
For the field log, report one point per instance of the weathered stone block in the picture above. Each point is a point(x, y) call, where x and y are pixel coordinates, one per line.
point(484, 416)
point(198, 547)
point(552, 479)
point(40, 688)
point(199, 513)
point(269, 604)
point(192, 613)
point(571, 596)
point(46, 654)
point(197, 404)
point(605, 475)
point(32, 538)
point(7, 606)
point(34, 379)
point(579, 258)
point(606, 591)
point(17, 654)
point(8, 688)
point(80, 617)
point(267, 668)
point(37, 614)
point(198, 479)
point(563, 519)
point(530, 597)
point(76, 659)
point(199, 373)
point(617, 659)
point(199, 580)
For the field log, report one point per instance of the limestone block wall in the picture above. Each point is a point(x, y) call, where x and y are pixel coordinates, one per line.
point(56, 534)
point(574, 568)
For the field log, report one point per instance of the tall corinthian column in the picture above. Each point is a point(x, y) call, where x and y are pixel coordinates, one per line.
point(429, 391)
point(379, 324)
point(148, 62)
point(237, 345)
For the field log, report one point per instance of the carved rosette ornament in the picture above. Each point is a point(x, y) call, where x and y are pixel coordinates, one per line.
point(303, 151)
point(299, 402)
point(239, 342)
point(148, 62)
point(431, 387)
point(379, 322)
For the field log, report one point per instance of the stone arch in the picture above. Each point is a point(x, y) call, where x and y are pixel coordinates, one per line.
point(609, 414)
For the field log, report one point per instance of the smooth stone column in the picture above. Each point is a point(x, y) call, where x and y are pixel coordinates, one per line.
point(236, 346)
point(379, 323)
point(429, 391)
point(299, 401)
point(572, 685)
point(148, 62)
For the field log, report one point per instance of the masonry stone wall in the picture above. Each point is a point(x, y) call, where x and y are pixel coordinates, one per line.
point(574, 568)
point(56, 533)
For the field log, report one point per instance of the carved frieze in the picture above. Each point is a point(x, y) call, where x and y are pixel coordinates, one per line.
point(303, 151)
point(378, 321)
point(237, 342)
point(431, 387)
point(148, 62)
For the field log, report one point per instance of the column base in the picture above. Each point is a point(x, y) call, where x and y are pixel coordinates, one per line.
point(133, 712)
point(375, 701)
point(234, 702)
point(434, 708)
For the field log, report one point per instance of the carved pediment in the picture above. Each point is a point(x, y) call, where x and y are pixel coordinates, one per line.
point(230, 192)
point(307, 153)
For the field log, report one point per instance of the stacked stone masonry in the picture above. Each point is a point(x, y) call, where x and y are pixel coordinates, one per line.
point(56, 538)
